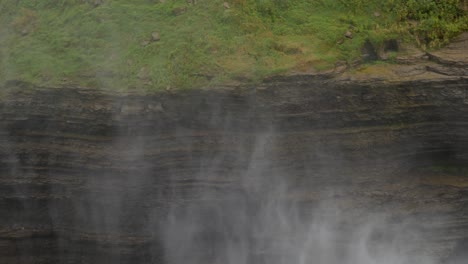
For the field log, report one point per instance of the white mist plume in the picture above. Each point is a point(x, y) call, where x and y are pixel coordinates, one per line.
point(266, 226)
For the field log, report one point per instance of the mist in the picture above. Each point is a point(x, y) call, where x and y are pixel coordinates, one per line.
point(267, 220)
point(203, 177)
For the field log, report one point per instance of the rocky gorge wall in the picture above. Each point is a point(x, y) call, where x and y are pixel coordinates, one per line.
point(68, 154)
point(87, 176)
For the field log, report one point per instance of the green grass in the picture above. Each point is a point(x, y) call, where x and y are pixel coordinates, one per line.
point(73, 42)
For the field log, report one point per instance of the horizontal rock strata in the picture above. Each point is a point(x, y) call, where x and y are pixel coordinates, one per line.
point(87, 176)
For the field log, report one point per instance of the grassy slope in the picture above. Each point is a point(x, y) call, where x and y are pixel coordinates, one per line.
point(58, 42)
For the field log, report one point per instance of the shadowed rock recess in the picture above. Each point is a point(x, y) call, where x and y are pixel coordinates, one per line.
point(299, 169)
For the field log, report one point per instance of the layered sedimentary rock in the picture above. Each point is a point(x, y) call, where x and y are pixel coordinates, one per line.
point(88, 176)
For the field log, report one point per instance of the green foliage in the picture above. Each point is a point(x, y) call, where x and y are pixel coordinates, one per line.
point(63, 42)
point(436, 21)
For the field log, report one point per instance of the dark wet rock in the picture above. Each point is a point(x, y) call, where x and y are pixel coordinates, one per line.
point(58, 140)
point(368, 52)
point(391, 45)
point(387, 48)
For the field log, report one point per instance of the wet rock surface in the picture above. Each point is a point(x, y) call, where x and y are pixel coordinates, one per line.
point(92, 177)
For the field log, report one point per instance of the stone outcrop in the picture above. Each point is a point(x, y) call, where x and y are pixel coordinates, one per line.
point(92, 177)
point(453, 59)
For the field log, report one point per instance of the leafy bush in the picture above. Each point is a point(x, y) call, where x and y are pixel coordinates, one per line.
point(436, 21)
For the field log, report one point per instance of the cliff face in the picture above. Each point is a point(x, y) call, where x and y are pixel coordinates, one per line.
point(90, 177)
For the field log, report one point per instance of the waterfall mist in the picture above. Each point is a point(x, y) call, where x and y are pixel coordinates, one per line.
point(215, 179)
point(267, 221)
